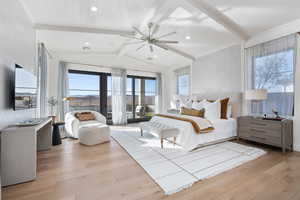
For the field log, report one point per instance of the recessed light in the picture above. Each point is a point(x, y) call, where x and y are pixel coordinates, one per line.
point(94, 9)
point(188, 37)
point(86, 46)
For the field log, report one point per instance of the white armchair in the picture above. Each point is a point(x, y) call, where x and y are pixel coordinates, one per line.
point(72, 124)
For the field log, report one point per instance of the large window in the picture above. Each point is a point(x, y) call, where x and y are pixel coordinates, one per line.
point(183, 84)
point(90, 91)
point(85, 91)
point(271, 67)
point(183, 81)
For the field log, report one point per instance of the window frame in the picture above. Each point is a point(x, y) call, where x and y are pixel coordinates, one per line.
point(253, 82)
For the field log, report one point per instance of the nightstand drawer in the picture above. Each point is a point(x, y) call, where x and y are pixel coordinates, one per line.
point(276, 141)
point(266, 132)
point(264, 124)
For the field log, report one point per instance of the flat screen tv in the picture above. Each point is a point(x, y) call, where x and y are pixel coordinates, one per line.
point(25, 90)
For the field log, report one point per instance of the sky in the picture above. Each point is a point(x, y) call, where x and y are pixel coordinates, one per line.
point(91, 83)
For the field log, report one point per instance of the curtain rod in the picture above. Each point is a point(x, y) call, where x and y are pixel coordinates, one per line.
point(107, 67)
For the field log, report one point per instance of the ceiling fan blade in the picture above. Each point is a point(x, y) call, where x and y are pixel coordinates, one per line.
point(140, 47)
point(165, 35)
point(140, 32)
point(167, 41)
point(161, 46)
point(155, 30)
point(151, 48)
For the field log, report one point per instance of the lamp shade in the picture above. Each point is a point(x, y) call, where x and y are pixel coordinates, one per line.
point(258, 94)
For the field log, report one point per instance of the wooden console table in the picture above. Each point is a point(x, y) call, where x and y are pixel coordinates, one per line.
point(19, 146)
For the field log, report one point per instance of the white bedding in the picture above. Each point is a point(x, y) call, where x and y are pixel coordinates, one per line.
point(189, 139)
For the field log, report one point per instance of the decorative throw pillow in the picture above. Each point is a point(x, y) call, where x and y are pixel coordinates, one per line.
point(192, 112)
point(224, 107)
point(213, 110)
point(85, 116)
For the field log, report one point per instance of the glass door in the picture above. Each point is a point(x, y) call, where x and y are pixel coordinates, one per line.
point(141, 93)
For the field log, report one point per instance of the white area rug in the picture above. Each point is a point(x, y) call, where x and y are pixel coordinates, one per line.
point(174, 169)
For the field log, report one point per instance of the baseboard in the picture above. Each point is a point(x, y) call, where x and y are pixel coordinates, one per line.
point(296, 147)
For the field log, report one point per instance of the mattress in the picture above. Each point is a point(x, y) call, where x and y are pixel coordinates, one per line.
point(189, 139)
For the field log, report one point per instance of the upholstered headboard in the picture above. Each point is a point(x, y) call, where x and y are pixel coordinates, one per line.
point(235, 100)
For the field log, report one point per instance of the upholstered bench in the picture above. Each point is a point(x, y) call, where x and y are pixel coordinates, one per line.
point(159, 130)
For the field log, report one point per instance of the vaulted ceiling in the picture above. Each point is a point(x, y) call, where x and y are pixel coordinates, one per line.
point(202, 26)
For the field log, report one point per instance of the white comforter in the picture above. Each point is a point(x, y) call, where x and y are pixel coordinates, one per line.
point(189, 139)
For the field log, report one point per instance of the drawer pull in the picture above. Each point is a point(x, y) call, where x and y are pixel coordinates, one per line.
point(259, 131)
point(261, 138)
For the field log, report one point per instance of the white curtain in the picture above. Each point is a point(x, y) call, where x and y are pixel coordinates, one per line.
point(43, 68)
point(63, 90)
point(158, 96)
point(271, 66)
point(119, 79)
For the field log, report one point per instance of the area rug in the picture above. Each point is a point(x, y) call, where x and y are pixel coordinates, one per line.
point(174, 169)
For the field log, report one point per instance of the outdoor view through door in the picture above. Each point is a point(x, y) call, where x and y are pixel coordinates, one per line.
point(92, 91)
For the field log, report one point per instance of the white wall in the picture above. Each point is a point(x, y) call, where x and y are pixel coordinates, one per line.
point(218, 72)
point(17, 45)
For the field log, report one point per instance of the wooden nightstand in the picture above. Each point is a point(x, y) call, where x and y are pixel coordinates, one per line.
point(271, 132)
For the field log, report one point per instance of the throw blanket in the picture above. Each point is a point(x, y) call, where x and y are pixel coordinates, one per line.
point(195, 125)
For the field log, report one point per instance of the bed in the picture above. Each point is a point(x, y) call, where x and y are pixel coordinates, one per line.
point(224, 129)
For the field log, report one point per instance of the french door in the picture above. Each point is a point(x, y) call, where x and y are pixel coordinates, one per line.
point(140, 93)
point(93, 91)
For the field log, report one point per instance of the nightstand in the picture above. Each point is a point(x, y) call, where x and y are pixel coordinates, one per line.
point(270, 132)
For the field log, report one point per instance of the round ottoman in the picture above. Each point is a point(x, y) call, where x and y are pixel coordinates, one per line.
point(94, 134)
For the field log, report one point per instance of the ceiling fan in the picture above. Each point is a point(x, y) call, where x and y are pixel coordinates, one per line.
point(150, 38)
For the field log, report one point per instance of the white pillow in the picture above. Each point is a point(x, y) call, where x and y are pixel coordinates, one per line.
point(229, 111)
point(213, 110)
point(199, 105)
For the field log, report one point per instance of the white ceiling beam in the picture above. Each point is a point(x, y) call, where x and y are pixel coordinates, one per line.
point(220, 18)
point(82, 29)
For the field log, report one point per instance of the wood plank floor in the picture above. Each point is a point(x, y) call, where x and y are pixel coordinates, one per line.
point(103, 172)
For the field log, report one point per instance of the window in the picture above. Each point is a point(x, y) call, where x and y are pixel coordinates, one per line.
point(85, 91)
point(270, 66)
point(90, 91)
point(275, 72)
point(183, 84)
point(183, 81)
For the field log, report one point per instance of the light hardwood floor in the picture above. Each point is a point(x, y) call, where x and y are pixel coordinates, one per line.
point(103, 172)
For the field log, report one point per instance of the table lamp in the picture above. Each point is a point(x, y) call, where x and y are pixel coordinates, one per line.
point(256, 96)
